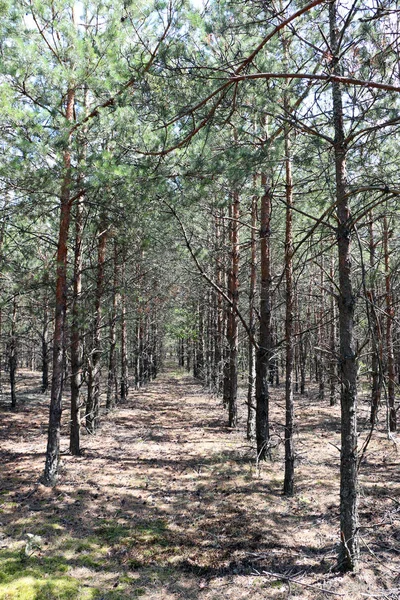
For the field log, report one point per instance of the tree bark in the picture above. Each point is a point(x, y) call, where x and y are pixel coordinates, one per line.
point(392, 424)
point(265, 344)
point(124, 353)
point(45, 345)
point(234, 295)
point(333, 358)
point(376, 360)
point(349, 544)
point(321, 339)
point(12, 353)
point(288, 484)
point(251, 391)
point(93, 399)
point(53, 440)
point(112, 391)
point(76, 335)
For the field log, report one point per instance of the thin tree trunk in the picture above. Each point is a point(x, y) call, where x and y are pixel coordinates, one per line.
point(219, 307)
point(124, 356)
point(76, 309)
point(251, 389)
point(392, 424)
point(2, 231)
point(321, 339)
point(12, 356)
point(53, 440)
point(333, 357)
point(200, 344)
point(376, 365)
point(93, 399)
point(234, 295)
point(112, 392)
point(349, 544)
point(45, 343)
point(76, 335)
point(265, 346)
point(288, 484)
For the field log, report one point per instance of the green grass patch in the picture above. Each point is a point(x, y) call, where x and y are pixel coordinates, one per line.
point(38, 578)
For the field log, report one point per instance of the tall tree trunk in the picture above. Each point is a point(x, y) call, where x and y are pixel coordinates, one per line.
point(12, 354)
point(45, 342)
point(93, 399)
point(288, 484)
point(76, 335)
point(53, 440)
point(199, 372)
point(321, 338)
point(112, 392)
point(392, 425)
point(251, 391)
point(376, 364)
point(76, 309)
point(124, 352)
point(349, 544)
point(220, 305)
point(265, 340)
point(333, 357)
point(2, 231)
point(234, 295)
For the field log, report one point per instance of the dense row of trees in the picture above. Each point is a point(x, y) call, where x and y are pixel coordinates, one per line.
point(221, 178)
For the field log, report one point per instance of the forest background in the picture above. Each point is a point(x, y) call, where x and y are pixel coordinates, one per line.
point(219, 179)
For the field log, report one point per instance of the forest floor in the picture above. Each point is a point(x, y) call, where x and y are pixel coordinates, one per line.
point(168, 503)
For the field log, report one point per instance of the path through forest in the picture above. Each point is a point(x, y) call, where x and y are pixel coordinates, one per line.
point(167, 503)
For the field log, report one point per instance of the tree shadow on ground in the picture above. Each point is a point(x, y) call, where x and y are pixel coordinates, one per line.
point(163, 501)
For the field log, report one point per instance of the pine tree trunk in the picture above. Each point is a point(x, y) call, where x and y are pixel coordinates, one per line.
point(251, 391)
point(200, 344)
point(112, 391)
point(349, 544)
point(219, 308)
point(288, 484)
point(392, 424)
point(124, 352)
point(264, 350)
point(76, 335)
point(321, 340)
point(376, 365)
point(234, 295)
point(53, 440)
point(333, 358)
point(93, 401)
point(12, 356)
point(45, 343)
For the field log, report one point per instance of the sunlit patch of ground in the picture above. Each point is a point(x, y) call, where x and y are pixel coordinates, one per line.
point(167, 503)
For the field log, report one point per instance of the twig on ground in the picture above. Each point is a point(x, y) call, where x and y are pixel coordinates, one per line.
point(287, 579)
point(377, 557)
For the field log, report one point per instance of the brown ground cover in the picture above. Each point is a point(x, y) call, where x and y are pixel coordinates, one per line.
point(167, 503)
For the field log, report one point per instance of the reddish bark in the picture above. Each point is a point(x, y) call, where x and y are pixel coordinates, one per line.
point(53, 441)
